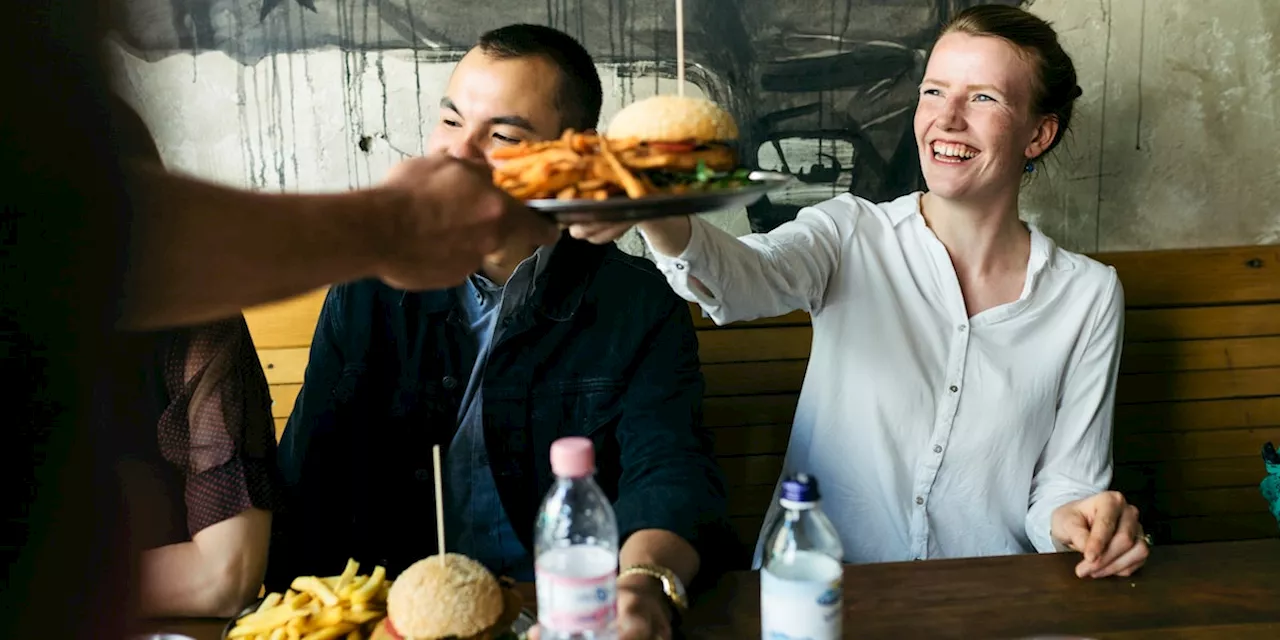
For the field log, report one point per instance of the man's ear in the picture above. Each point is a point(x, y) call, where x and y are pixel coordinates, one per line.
point(1045, 132)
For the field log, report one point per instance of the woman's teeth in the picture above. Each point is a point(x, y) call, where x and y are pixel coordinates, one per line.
point(953, 151)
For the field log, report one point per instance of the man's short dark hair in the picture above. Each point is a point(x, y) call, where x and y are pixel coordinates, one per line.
point(580, 94)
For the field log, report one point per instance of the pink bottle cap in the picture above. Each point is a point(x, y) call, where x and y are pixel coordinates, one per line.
point(572, 457)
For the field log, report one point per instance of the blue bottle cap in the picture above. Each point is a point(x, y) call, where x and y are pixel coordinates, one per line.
point(800, 487)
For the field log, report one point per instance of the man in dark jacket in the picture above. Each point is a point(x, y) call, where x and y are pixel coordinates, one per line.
point(570, 339)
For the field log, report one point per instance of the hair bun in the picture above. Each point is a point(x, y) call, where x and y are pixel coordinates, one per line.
point(1076, 92)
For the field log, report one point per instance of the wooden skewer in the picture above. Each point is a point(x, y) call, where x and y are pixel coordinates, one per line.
point(435, 455)
point(680, 48)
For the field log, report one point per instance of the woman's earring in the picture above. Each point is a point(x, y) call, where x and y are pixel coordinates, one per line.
point(1031, 166)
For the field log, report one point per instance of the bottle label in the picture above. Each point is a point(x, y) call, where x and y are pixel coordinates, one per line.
point(583, 596)
point(793, 609)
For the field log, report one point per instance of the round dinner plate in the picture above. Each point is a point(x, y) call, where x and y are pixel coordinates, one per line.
point(520, 627)
point(625, 209)
point(243, 612)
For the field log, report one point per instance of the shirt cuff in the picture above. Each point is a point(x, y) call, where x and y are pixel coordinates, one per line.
point(1040, 531)
point(680, 269)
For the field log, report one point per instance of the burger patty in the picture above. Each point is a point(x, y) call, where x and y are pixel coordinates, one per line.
point(715, 156)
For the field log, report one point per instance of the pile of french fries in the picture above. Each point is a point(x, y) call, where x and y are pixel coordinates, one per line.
point(345, 606)
point(575, 166)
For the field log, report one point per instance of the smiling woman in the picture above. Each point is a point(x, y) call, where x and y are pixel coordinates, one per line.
point(1047, 102)
point(959, 356)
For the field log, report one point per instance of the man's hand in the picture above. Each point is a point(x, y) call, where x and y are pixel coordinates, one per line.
point(447, 216)
point(643, 610)
point(1106, 530)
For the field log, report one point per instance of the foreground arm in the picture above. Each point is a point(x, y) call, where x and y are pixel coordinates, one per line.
point(671, 499)
point(670, 481)
point(1070, 507)
point(216, 574)
point(204, 251)
point(755, 276)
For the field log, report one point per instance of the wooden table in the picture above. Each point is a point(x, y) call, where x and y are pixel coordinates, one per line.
point(1189, 592)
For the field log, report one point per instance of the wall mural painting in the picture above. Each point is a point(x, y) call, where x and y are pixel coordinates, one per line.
point(822, 89)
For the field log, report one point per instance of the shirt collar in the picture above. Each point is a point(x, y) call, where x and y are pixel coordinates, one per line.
point(537, 261)
point(1043, 248)
point(541, 257)
point(1044, 252)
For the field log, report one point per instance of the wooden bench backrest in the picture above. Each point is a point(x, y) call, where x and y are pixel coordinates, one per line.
point(1199, 391)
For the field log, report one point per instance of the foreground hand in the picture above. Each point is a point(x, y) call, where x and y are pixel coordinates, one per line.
point(447, 216)
point(1106, 530)
point(642, 610)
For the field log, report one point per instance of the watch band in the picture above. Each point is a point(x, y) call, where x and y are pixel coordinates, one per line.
point(672, 587)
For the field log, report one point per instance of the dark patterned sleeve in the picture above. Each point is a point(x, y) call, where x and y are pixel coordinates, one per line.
point(218, 427)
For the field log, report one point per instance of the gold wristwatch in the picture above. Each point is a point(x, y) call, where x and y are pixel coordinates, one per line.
point(671, 584)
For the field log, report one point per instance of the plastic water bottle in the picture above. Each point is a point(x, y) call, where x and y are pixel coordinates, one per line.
point(801, 577)
point(576, 550)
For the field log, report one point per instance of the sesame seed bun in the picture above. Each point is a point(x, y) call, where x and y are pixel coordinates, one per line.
point(673, 119)
point(434, 599)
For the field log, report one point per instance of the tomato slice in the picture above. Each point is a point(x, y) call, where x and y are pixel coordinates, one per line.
point(390, 629)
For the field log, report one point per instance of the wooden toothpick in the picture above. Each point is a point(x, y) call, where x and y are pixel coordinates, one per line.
point(435, 455)
point(680, 48)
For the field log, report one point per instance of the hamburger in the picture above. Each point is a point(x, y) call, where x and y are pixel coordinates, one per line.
point(449, 597)
point(683, 143)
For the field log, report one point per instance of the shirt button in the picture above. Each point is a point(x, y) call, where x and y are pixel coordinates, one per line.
point(919, 500)
point(679, 267)
point(961, 328)
point(422, 475)
point(937, 448)
point(449, 382)
point(954, 388)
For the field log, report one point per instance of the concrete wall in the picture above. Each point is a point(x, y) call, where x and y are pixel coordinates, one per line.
point(1175, 142)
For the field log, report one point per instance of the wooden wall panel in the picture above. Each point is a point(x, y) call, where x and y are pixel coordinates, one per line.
point(290, 323)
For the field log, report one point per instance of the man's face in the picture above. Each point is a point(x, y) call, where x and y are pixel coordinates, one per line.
point(490, 104)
